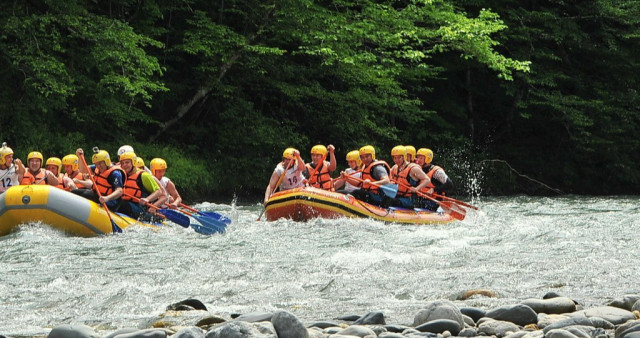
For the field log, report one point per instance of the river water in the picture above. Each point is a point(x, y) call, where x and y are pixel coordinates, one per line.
point(518, 247)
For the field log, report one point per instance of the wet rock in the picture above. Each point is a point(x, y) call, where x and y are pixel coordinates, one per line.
point(518, 314)
point(583, 321)
point(468, 332)
point(288, 326)
point(121, 331)
point(254, 317)
point(627, 328)
point(395, 328)
point(626, 302)
point(333, 330)
point(556, 305)
point(609, 313)
point(636, 306)
point(497, 328)
point(349, 318)
point(371, 318)
point(315, 333)
point(187, 305)
point(357, 330)
point(189, 332)
point(211, 320)
point(73, 331)
point(441, 309)
point(545, 320)
point(323, 325)
point(267, 329)
point(235, 329)
point(440, 326)
point(391, 335)
point(468, 321)
point(473, 312)
point(148, 333)
point(561, 333)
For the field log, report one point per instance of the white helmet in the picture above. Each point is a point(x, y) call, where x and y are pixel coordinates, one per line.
point(125, 149)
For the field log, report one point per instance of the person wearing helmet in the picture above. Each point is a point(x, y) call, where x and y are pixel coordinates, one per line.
point(70, 164)
point(109, 179)
point(158, 169)
point(125, 149)
point(140, 163)
point(11, 171)
point(409, 177)
point(35, 174)
point(140, 189)
point(411, 153)
point(373, 171)
point(439, 181)
point(54, 165)
point(318, 171)
point(291, 167)
point(353, 160)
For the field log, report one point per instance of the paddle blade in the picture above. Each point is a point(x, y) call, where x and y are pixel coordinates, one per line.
point(391, 190)
point(209, 226)
point(216, 216)
point(115, 228)
point(175, 217)
point(454, 210)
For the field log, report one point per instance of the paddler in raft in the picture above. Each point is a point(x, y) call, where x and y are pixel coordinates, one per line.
point(109, 179)
point(409, 177)
point(71, 166)
point(318, 172)
point(439, 181)
point(293, 178)
point(11, 171)
point(158, 169)
point(374, 174)
point(35, 174)
point(140, 190)
point(54, 165)
point(355, 165)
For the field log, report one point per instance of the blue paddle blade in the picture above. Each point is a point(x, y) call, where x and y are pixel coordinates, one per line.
point(390, 190)
point(176, 217)
point(209, 225)
point(216, 216)
point(115, 228)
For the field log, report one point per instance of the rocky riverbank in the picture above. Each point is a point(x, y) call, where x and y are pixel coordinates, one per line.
point(552, 316)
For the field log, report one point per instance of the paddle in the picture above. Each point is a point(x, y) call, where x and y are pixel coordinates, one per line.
point(277, 186)
point(315, 170)
point(114, 226)
point(455, 211)
point(212, 214)
point(207, 226)
point(456, 201)
point(388, 189)
point(171, 215)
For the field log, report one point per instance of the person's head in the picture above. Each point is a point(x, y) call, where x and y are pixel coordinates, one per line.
point(127, 160)
point(398, 154)
point(6, 155)
point(411, 153)
point(34, 160)
point(158, 167)
point(367, 154)
point(101, 159)
point(353, 159)
point(317, 153)
point(125, 149)
point(54, 165)
point(424, 156)
point(70, 163)
point(139, 163)
point(288, 155)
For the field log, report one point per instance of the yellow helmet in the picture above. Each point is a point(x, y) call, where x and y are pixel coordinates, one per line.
point(139, 162)
point(35, 154)
point(54, 161)
point(399, 151)
point(157, 164)
point(354, 155)
point(101, 155)
point(71, 160)
point(4, 151)
point(288, 153)
point(368, 149)
point(318, 150)
point(427, 153)
point(411, 150)
point(129, 155)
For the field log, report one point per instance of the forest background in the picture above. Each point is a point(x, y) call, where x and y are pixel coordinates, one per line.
point(534, 97)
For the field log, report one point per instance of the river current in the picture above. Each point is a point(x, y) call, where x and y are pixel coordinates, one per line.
point(585, 248)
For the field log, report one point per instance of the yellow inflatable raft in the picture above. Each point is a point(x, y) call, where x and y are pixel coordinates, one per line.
point(302, 204)
point(57, 208)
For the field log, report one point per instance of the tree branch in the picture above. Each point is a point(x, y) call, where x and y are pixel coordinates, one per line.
point(557, 191)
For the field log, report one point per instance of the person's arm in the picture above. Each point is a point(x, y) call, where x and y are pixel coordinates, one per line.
point(173, 192)
point(445, 183)
point(50, 178)
point(417, 174)
point(80, 153)
point(332, 158)
point(20, 169)
point(156, 196)
point(117, 181)
point(275, 176)
point(382, 173)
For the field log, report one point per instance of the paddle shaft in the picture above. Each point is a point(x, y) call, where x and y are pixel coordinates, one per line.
point(456, 214)
point(315, 170)
point(456, 201)
point(95, 187)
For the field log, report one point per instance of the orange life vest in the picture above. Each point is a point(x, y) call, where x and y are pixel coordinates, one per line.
point(28, 178)
point(366, 175)
point(61, 183)
point(429, 170)
point(102, 184)
point(131, 187)
point(402, 178)
point(321, 178)
point(61, 179)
